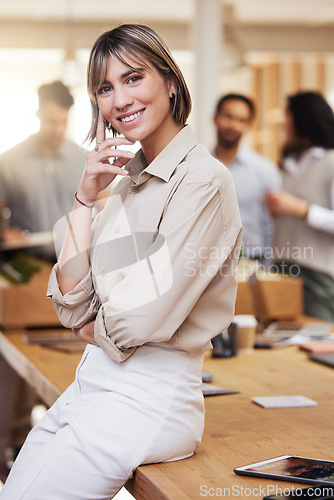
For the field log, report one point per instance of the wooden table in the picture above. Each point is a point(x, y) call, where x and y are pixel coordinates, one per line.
point(237, 431)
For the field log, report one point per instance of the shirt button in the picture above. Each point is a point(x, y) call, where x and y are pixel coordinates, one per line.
point(117, 229)
point(103, 272)
point(135, 190)
point(49, 169)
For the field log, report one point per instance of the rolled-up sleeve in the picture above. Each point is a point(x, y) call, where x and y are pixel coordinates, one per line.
point(199, 234)
point(76, 307)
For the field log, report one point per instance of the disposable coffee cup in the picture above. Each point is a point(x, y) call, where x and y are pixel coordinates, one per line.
point(246, 325)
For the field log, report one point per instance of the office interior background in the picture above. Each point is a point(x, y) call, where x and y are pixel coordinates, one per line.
point(264, 48)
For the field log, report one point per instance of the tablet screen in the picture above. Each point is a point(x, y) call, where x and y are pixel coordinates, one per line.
point(295, 467)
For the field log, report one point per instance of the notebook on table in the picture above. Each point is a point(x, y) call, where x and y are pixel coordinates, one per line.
point(214, 390)
point(318, 346)
point(49, 336)
point(325, 358)
point(207, 376)
point(286, 328)
point(283, 333)
point(56, 338)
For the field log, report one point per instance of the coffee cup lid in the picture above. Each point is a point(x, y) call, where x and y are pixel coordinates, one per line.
point(244, 320)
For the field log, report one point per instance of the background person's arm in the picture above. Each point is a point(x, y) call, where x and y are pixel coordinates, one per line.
point(318, 217)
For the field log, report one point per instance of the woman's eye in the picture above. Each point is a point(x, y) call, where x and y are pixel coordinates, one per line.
point(134, 79)
point(104, 90)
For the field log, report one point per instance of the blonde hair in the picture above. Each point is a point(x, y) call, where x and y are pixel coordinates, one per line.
point(140, 43)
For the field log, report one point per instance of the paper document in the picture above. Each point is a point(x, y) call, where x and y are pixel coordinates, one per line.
point(284, 401)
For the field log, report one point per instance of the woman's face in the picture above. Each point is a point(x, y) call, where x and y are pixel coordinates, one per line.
point(136, 102)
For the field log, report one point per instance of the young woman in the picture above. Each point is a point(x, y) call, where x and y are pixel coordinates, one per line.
point(146, 285)
point(304, 210)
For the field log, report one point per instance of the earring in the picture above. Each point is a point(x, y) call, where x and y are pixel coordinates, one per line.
point(173, 103)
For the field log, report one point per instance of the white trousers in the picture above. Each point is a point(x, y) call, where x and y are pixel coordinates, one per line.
point(113, 418)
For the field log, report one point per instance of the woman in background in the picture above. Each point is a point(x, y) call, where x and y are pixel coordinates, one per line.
point(304, 210)
point(146, 285)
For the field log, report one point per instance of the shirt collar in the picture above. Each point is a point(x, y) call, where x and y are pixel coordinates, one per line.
point(63, 149)
point(241, 156)
point(294, 166)
point(315, 152)
point(60, 152)
point(166, 162)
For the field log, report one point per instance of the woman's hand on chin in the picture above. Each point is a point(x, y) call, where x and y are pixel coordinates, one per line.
point(99, 172)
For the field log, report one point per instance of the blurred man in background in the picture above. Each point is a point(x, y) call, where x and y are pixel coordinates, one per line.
point(253, 174)
point(39, 176)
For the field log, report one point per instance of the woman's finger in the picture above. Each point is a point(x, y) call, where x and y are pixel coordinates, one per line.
point(115, 141)
point(107, 168)
point(120, 162)
point(101, 129)
point(106, 154)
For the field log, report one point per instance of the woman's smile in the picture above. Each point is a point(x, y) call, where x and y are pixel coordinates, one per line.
point(131, 118)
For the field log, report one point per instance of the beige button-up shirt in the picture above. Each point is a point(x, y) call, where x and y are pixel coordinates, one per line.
point(163, 255)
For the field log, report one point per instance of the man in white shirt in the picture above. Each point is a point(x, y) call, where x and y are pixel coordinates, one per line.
point(253, 174)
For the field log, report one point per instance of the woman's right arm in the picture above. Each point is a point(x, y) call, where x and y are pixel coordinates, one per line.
point(73, 261)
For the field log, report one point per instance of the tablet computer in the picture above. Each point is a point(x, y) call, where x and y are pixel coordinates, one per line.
point(291, 468)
